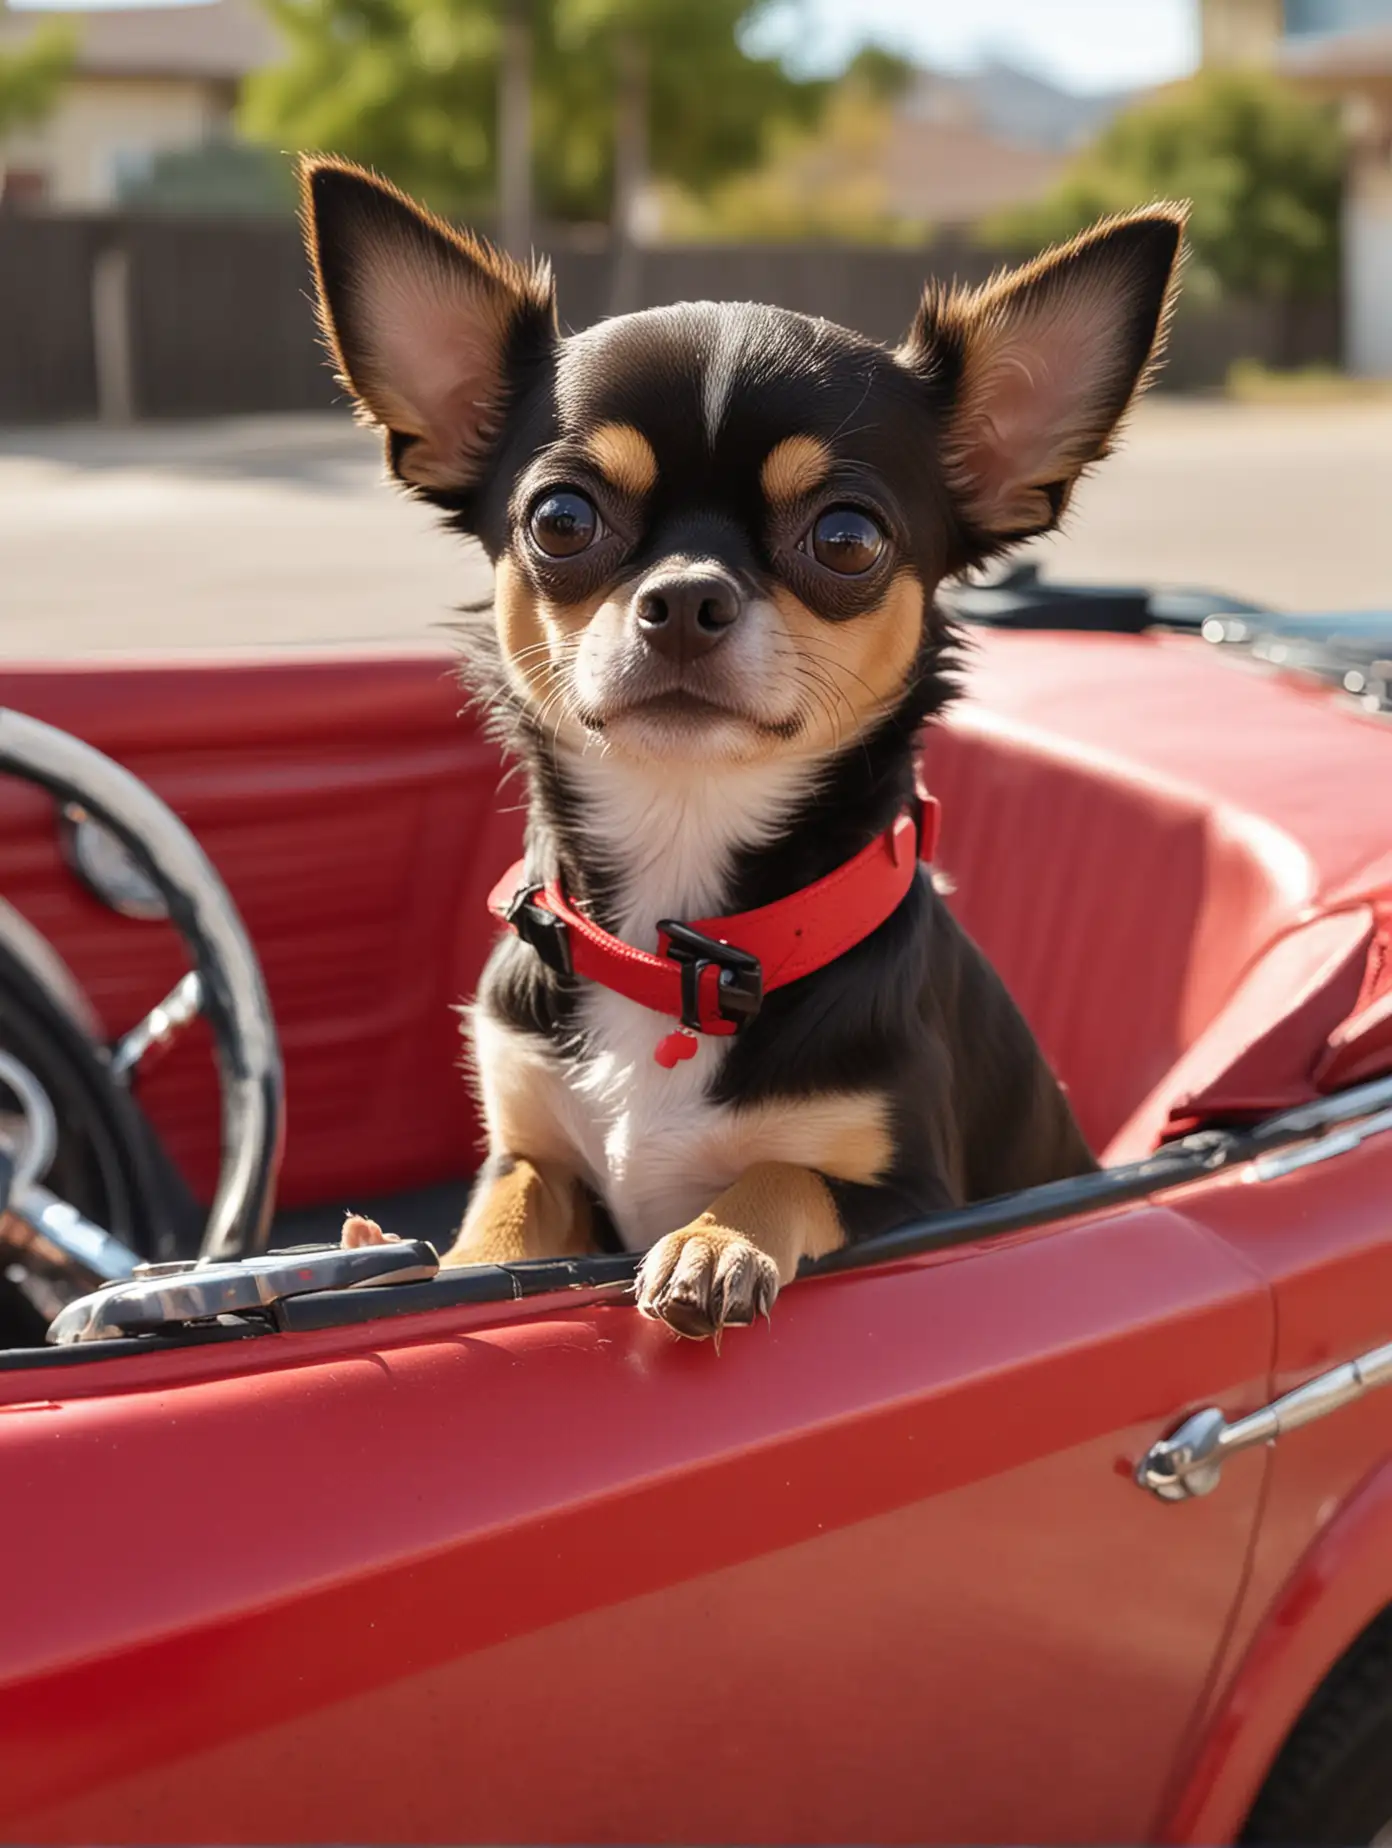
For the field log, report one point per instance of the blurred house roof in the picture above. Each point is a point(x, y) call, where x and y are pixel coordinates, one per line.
point(1011, 104)
point(215, 40)
point(961, 146)
point(949, 173)
point(1339, 57)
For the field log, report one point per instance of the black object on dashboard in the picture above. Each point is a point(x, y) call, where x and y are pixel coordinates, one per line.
point(1021, 599)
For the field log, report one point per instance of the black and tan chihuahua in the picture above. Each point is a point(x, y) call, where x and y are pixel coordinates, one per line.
point(733, 1024)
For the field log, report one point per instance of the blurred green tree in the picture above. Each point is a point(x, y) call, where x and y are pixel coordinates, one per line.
point(1262, 164)
point(880, 72)
point(411, 87)
point(820, 183)
point(32, 76)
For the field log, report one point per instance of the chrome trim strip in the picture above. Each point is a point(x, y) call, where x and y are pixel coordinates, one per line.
point(1325, 1148)
point(1323, 1113)
point(162, 1296)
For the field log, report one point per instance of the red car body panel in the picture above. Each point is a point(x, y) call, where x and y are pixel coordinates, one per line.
point(877, 1572)
point(1321, 1567)
point(1336, 1590)
point(880, 1571)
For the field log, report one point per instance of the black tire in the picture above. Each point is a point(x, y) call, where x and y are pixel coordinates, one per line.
point(1332, 1783)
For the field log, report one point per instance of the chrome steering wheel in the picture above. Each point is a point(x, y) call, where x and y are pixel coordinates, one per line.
point(225, 983)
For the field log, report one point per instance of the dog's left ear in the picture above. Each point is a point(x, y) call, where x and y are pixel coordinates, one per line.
point(429, 327)
point(1035, 370)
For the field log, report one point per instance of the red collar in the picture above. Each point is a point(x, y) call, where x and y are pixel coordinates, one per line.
point(712, 975)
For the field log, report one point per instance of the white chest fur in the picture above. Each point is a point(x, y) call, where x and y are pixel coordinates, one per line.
point(646, 1138)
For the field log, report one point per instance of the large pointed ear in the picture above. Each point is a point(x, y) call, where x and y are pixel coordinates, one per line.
point(1036, 369)
point(428, 326)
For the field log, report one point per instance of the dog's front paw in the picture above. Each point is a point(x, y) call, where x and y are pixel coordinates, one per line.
point(360, 1231)
point(704, 1279)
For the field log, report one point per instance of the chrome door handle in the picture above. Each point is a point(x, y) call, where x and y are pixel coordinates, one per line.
point(1190, 1461)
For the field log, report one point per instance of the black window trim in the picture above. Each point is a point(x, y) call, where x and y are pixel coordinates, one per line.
point(1175, 1164)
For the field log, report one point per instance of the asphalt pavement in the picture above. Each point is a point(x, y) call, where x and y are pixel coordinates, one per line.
point(280, 532)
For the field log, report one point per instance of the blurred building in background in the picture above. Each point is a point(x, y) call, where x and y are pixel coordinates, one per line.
point(1243, 31)
point(1012, 105)
point(960, 148)
point(146, 82)
point(1340, 49)
point(935, 153)
point(153, 266)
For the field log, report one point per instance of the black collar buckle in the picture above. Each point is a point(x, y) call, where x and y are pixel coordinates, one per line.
point(739, 990)
point(540, 929)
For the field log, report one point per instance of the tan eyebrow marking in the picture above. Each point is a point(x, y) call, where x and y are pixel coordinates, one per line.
point(625, 456)
point(794, 467)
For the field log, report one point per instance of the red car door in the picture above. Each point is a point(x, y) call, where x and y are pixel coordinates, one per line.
point(876, 1572)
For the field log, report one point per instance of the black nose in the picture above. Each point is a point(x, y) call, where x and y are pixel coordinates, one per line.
point(686, 614)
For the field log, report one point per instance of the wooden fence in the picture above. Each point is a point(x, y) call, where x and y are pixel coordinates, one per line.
point(160, 317)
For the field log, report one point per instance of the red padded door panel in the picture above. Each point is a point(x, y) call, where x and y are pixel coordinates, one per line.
point(352, 812)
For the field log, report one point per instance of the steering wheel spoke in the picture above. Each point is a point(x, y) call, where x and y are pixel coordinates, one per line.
point(151, 1037)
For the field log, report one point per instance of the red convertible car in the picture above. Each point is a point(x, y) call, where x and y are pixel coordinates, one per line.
point(987, 1538)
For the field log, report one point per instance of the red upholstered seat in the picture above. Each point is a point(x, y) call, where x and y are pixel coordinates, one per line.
point(1182, 875)
point(1120, 909)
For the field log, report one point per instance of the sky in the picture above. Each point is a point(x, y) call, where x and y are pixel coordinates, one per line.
point(1084, 44)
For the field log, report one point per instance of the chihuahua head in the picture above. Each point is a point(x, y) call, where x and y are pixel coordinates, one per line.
point(717, 529)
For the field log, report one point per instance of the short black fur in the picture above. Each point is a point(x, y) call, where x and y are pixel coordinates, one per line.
point(707, 392)
point(852, 1026)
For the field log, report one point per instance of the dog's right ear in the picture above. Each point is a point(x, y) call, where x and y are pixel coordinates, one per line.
point(427, 325)
point(1036, 369)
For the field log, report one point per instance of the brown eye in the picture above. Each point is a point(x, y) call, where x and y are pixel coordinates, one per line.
point(563, 524)
point(846, 541)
